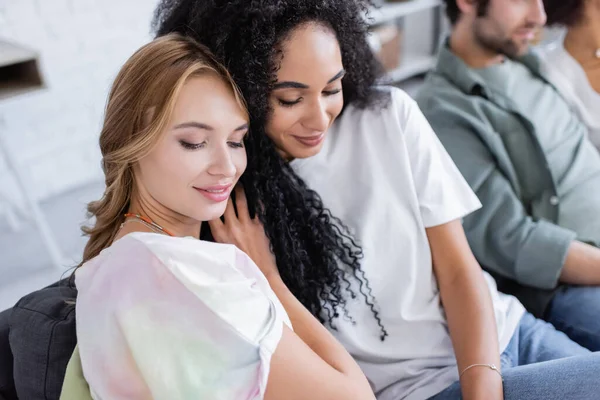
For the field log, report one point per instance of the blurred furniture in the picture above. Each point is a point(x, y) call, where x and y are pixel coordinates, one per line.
point(7, 386)
point(37, 338)
point(386, 42)
point(20, 74)
point(411, 61)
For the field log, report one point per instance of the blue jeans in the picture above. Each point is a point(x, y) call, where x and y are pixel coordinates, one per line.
point(575, 310)
point(541, 363)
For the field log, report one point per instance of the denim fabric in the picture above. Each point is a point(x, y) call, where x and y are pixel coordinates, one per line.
point(575, 310)
point(541, 363)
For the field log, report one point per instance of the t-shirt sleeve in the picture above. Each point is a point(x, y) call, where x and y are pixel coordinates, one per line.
point(149, 326)
point(442, 192)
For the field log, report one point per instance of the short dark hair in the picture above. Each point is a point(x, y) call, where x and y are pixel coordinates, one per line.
point(564, 12)
point(453, 12)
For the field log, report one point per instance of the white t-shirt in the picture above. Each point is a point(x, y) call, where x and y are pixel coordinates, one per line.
point(571, 80)
point(175, 318)
point(385, 174)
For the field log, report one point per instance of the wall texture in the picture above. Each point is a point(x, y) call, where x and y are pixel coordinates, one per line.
point(82, 44)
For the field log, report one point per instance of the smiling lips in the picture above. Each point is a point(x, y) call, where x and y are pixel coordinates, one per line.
point(217, 193)
point(528, 34)
point(310, 141)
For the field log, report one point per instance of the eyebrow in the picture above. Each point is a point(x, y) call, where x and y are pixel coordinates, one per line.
point(241, 128)
point(200, 125)
point(298, 85)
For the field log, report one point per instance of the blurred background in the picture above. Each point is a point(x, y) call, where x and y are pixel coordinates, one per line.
point(57, 61)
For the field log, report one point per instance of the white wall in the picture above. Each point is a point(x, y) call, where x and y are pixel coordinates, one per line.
point(82, 44)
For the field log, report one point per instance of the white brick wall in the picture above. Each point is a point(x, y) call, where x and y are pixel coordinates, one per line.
point(82, 43)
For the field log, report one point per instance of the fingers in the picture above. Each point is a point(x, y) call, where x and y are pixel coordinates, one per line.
point(230, 216)
point(241, 203)
point(217, 228)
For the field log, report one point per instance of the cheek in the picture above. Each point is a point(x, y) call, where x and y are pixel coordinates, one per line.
point(159, 179)
point(151, 168)
point(515, 19)
point(336, 107)
point(174, 168)
point(240, 160)
point(175, 162)
point(281, 122)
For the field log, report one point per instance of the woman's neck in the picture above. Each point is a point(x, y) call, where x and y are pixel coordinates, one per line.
point(582, 41)
point(171, 222)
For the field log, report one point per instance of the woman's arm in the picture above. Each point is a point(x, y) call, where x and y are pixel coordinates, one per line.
point(309, 363)
point(468, 306)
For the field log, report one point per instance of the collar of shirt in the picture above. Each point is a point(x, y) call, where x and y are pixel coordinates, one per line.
point(454, 69)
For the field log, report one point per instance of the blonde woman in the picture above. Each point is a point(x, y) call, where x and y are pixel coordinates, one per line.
point(161, 314)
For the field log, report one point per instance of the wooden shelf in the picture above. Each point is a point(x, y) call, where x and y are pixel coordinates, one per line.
point(391, 11)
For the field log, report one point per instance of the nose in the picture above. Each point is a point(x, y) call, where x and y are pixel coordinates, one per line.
point(537, 13)
point(222, 162)
point(318, 118)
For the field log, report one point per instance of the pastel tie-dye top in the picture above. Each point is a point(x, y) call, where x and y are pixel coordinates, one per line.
point(160, 317)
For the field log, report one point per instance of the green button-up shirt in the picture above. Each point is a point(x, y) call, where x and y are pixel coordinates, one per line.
point(516, 233)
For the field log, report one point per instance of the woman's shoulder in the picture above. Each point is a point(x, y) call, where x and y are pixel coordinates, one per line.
point(550, 51)
point(556, 62)
point(390, 113)
point(162, 246)
point(395, 116)
point(386, 99)
point(571, 80)
point(184, 302)
point(151, 254)
point(148, 271)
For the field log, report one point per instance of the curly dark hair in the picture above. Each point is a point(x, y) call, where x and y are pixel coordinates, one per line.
point(564, 12)
point(453, 12)
point(317, 257)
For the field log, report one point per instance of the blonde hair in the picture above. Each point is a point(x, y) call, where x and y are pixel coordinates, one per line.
point(138, 109)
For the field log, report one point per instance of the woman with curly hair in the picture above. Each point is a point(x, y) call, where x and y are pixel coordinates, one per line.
point(572, 62)
point(326, 138)
point(161, 314)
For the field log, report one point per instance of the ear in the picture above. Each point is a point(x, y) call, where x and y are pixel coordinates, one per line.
point(468, 8)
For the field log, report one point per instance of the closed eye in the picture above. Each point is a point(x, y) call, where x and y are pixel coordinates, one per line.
point(191, 146)
point(331, 92)
point(236, 145)
point(286, 103)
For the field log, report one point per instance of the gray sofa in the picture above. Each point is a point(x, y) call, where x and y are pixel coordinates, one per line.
point(7, 387)
point(37, 338)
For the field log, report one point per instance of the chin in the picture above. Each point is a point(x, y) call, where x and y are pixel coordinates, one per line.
point(304, 154)
point(307, 153)
point(209, 213)
point(520, 47)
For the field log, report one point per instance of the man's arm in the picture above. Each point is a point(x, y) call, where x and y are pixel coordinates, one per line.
point(582, 266)
point(503, 237)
